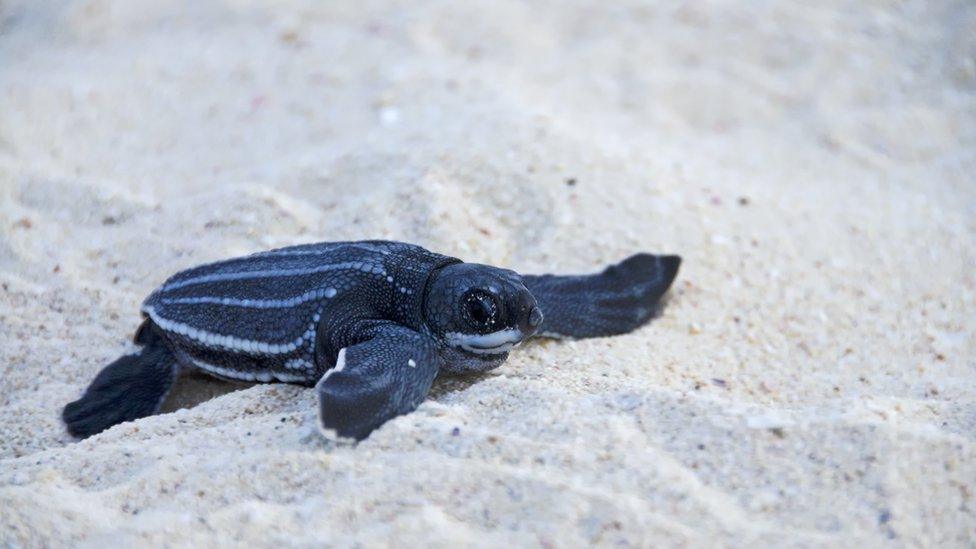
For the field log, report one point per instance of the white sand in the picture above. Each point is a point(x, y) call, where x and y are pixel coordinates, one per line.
point(812, 380)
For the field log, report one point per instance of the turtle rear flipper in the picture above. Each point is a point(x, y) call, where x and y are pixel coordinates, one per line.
point(615, 301)
point(132, 387)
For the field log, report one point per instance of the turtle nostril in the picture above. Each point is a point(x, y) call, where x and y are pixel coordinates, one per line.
point(535, 317)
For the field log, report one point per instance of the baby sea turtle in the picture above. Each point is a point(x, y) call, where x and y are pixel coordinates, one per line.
point(369, 324)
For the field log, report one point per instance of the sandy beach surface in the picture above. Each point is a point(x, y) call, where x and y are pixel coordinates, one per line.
point(811, 380)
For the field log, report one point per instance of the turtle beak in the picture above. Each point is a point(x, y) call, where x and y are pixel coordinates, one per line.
point(530, 316)
point(535, 318)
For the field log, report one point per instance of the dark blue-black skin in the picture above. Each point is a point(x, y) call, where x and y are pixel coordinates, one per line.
point(369, 324)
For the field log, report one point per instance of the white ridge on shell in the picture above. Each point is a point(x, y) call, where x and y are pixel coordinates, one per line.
point(253, 303)
point(229, 342)
point(247, 376)
point(370, 268)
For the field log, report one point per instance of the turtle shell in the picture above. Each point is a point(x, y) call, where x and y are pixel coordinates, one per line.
point(255, 318)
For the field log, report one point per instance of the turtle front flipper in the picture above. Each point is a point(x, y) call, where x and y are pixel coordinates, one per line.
point(387, 375)
point(615, 301)
point(132, 387)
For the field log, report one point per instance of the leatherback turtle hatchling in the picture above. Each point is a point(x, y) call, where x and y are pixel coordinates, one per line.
point(369, 324)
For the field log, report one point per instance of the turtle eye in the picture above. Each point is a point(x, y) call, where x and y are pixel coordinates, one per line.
point(480, 310)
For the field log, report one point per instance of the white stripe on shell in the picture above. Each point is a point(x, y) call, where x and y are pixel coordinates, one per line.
point(370, 248)
point(332, 249)
point(230, 342)
point(498, 342)
point(254, 303)
point(231, 373)
point(366, 267)
point(299, 364)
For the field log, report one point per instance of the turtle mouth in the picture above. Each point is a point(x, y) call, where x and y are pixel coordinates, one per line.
point(495, 343)
point(500, 349)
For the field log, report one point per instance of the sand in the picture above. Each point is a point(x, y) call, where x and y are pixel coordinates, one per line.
point(811, 380)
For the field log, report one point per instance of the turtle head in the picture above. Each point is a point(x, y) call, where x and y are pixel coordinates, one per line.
point(480, 311)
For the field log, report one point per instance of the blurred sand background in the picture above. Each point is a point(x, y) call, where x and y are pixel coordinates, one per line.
point(811, 381)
